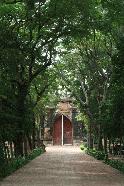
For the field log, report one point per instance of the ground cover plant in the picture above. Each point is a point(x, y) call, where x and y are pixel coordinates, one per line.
point(16, 163)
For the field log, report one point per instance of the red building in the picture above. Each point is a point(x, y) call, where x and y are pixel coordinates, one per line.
point(62, 127)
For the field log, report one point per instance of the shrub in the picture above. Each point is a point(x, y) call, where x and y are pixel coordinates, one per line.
point(17, 163)
point(34, 154)
point(99, 155)
point(82, 147)
point(117, 164)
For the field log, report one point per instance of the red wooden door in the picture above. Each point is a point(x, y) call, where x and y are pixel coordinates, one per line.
point(67, 131)
point(57, 132)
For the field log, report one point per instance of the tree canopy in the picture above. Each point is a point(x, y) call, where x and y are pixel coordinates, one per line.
point(53, 48)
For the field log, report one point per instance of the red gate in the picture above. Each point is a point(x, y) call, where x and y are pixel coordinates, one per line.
point(67, 131)
point(57, 132)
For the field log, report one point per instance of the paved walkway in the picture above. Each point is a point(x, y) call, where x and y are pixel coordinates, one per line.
point(65, 166)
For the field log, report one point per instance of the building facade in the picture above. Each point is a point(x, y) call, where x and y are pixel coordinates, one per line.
point(62, 127)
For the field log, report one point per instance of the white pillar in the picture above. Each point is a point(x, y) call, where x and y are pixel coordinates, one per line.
point(62, 129)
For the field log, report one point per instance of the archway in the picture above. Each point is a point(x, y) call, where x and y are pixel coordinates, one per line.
point(64, 137)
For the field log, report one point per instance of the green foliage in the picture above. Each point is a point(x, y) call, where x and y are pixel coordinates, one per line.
point(117, 164)
point(117, 91)
point(34, 153)
point(17, 163)
point(2, 156)
point(83, 147)
point(56, 48)
point(29, 32)
point(84, 118)
point(99, 155)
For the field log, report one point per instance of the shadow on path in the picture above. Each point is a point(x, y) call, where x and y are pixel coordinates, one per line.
point(65, 166)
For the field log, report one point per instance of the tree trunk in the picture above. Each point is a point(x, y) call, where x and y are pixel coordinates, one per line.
point(105, 145)
point(21, 109)
point(110, 149)
point(100, 145)
point(33, 136)
point(30, 142)
point(42, 118)
point(2, 155)
point(25, 145)
point(11, 150)
point(18, 145)
point(90, 137)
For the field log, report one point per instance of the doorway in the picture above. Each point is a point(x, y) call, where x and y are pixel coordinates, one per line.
point(64, 137)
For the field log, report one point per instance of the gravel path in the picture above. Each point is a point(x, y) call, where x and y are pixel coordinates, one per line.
point(65, 166)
